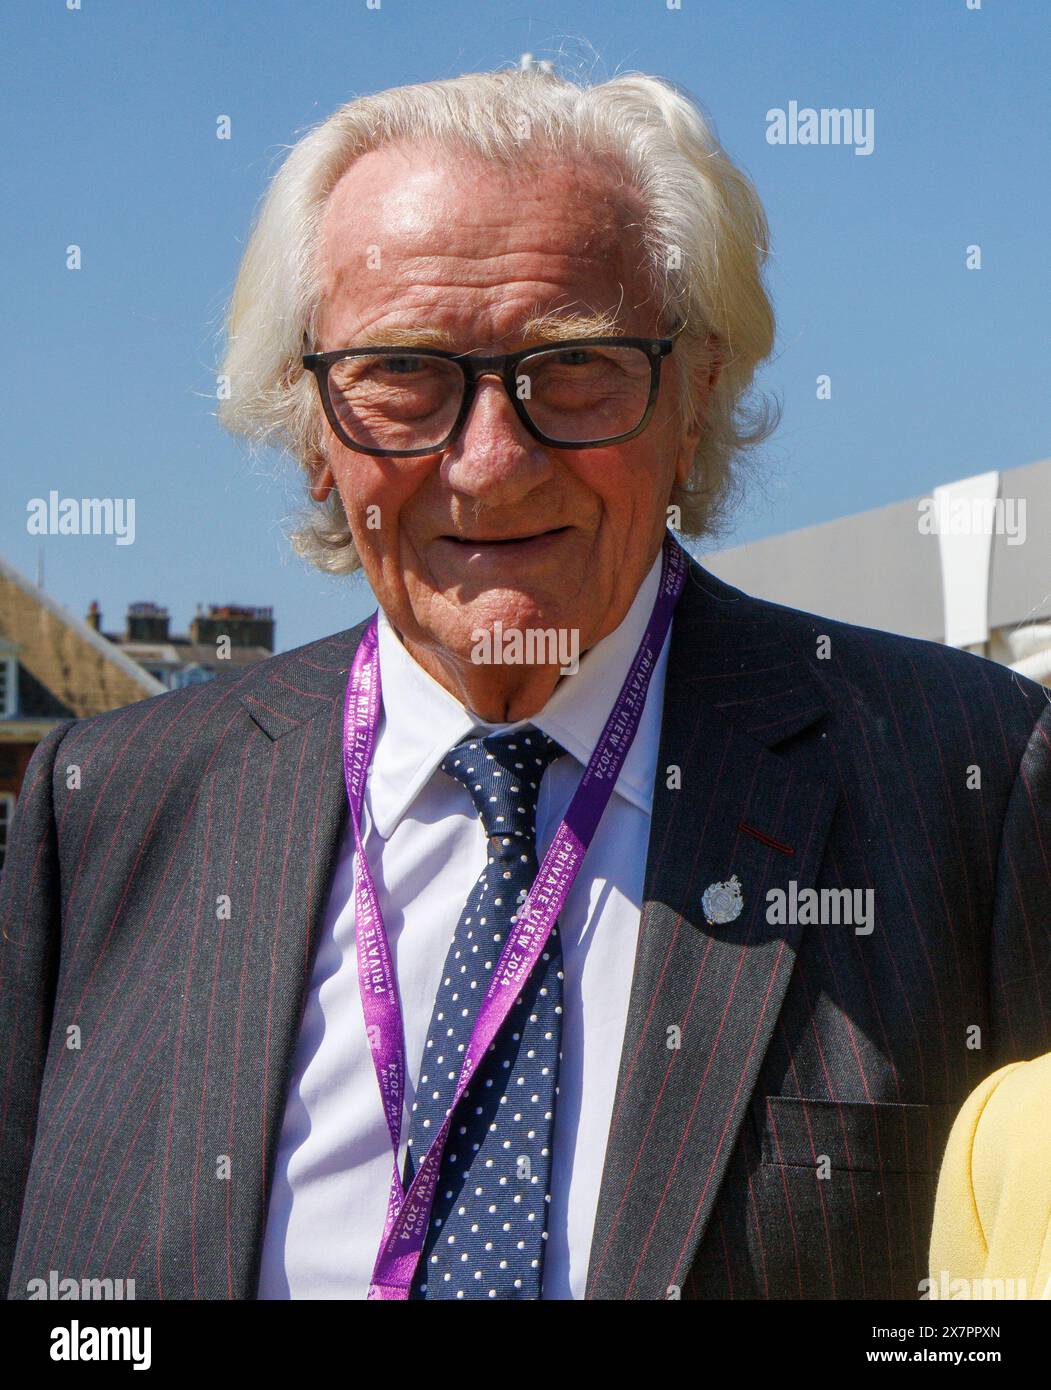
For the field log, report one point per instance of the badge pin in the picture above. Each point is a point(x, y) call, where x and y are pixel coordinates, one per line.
point(722, 902)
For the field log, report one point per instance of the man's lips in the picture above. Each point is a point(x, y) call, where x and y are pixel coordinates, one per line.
point(528, 538)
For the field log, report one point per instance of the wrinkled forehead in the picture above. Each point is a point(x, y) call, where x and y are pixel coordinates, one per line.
point(430, 231)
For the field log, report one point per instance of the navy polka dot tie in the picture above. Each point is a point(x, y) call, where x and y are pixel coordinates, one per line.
point(488, 1225)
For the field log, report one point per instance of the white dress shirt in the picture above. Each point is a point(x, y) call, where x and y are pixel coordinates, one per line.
point(426, 849)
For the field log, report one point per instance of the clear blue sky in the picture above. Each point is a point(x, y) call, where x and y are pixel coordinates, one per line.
point(109, 117)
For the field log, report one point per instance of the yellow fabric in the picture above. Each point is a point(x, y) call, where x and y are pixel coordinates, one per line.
point(992, 1216)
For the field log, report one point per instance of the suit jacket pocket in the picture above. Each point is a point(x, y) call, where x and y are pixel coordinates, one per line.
point(804, 1132)
point(842, 1197)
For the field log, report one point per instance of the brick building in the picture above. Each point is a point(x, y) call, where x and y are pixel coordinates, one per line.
point(53, 666)
point(221, 637)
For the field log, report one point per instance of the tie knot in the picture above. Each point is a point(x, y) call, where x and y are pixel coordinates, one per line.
point(502, 773)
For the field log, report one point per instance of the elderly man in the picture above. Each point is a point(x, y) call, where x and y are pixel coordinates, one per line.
point(501, 947)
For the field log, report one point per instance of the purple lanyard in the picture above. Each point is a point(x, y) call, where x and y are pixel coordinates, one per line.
point(408, 1212)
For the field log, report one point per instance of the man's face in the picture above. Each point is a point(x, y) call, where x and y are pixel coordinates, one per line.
point(473, 252)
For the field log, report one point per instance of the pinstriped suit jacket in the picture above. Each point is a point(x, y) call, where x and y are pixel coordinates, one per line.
point(787, 1146)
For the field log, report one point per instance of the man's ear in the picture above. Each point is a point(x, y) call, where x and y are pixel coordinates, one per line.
point(704, 384)
point(322, 479)
point(684, 462)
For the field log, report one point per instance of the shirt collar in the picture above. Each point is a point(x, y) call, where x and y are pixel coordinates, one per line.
point(422, 720)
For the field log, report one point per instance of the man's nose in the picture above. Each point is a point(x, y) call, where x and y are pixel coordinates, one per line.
point(495, 458)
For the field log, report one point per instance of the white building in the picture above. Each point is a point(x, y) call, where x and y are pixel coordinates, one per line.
point(969, 565)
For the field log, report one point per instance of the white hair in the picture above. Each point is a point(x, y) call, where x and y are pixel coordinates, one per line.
point(704, 235)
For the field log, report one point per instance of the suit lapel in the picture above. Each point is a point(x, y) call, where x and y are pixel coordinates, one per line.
point(705, 998)
point(265, 834)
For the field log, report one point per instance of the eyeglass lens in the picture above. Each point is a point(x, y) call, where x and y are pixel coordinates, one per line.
point(405, 400)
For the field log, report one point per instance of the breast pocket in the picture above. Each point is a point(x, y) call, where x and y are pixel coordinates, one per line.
point(844, 1196)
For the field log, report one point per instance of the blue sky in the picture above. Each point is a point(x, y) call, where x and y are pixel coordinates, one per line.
point(109, 112)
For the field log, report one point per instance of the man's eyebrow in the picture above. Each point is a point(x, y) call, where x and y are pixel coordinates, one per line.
point(560, 327)
point(411, 337)
point(553, 327)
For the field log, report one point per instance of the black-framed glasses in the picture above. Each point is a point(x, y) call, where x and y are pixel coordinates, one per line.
point(401, 402)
